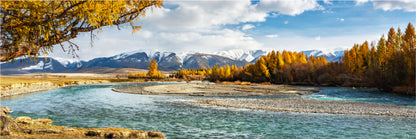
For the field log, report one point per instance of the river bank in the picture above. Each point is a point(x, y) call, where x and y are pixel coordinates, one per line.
point(26, 88)
point(25, 127)
point(303, 105)
point(212, 89)
point(24, 84)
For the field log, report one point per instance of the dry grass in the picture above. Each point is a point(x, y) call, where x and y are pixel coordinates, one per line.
point(60, 79)
point(70, 133)
point(245, 83)
point(8, 80)
point(234, 83)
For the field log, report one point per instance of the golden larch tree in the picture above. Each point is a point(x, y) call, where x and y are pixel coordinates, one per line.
point(31, 27)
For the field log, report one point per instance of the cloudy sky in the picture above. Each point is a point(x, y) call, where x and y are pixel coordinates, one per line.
point(209, 26)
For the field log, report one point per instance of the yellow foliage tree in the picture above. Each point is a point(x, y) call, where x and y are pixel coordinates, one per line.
point(153, 72)
point(302, 58)
point(227, 72)
point(31, 27)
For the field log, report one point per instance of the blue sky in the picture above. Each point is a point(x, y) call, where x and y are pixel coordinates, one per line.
point(340, 18)
point(212, 26)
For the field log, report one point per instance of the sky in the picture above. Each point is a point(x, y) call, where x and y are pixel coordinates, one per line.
point(209, 26)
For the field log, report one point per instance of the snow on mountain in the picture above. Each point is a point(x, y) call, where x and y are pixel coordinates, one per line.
point(152, 54)
point(331, 55)
point(184, 56)
point(48, 65)
point(65, 62)
point(241, 54)
point(327, 52)
point(250, 55)
point(38, 66)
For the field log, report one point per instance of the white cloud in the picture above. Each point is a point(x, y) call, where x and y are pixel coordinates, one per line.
point(359, 2)
point(204, 14)
point(247, 27)
point(327, 2)
point(286, 22)
point(289, 7)
point(272, 36)
point(406, 5)
point(292, 43)
point(340, 19)
point(198, 26)
point(328, 12)
point(318, 38)
point(273, 14)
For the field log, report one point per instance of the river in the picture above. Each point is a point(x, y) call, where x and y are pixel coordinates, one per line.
point(99, 106)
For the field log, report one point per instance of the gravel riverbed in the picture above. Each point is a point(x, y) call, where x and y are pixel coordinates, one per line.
point(211, 89)
point(302, 105)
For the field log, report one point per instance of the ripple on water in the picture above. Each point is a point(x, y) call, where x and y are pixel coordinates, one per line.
point(361, 94)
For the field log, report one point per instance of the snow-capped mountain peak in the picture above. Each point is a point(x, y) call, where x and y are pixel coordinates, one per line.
point(242, 54)
point(38, 66)
point(330, 54)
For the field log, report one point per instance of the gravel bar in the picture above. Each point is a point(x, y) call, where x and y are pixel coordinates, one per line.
point(301, 105)
point(210, 89)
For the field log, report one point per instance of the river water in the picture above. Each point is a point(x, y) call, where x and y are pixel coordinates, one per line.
point(99, 106)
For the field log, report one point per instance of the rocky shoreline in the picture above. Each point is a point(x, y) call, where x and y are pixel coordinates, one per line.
point(25, 127)
point(212, 89)
point(301, 105)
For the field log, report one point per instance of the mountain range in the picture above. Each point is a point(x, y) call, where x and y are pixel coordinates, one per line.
point(167, 61)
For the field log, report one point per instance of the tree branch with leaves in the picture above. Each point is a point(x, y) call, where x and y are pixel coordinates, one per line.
point(33, 27)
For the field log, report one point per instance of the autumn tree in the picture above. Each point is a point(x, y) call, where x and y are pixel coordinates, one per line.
point(408, 47)
point(32, 27)
point(390, 43)
point(390, 67)
point(221, 74)
point(153, 72)
point(214, 74)
point(234, 72)
point(227, 72)
point(280, 61)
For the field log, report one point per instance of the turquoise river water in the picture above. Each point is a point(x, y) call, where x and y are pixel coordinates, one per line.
point(99, 106)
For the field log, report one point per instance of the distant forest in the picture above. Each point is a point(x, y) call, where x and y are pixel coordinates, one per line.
point(388, 65)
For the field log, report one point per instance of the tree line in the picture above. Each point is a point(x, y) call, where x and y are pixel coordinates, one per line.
point(388, 64)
